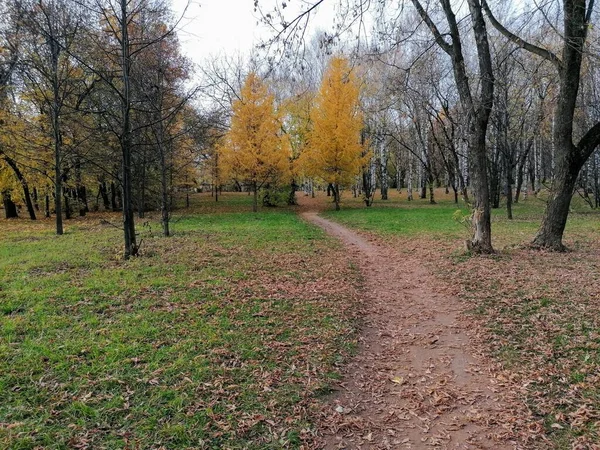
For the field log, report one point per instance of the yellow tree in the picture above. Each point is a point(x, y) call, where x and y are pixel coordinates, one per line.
point(254, 151)
point(335, 152)
point(297, 128)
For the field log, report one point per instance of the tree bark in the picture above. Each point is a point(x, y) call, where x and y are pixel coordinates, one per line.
point(10, 209)
point(336, 196)
point(26, 194)
point(104, 194)
point(126, 138)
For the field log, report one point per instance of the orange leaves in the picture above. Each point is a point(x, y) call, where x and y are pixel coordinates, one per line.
point(335, 151)
point(253, 151)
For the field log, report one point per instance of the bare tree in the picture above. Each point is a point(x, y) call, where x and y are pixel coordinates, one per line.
point(570, 155)
point(477, 110)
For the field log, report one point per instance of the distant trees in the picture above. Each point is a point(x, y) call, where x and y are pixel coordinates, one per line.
point(95, 98)
point(95, 113)
point(573, 147)
point(476, 106)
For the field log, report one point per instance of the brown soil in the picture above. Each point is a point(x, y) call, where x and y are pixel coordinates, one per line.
point(415, 382)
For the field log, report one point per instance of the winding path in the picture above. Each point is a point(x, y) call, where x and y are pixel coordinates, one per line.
point(414, 383)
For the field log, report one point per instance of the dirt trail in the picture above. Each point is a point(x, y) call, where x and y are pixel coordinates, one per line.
point(414, 383)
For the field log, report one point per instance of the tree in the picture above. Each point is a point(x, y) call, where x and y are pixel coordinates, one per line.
point(335, 152)
point(570, 155)
point(51, 76)
point(477, 109)
point(254, 150)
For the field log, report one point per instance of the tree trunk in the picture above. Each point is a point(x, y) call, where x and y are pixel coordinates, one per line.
point(292, 196)
point(10, 209)
point(103, 190)
point(431, 190)
point(555, 217)
point(255, 199)
point(509, 185)
point(329, 189)
point(336, 196)
point(113, 197)
point(67, 207)
point(481, 241)
point(26, 194)
point(125, 138)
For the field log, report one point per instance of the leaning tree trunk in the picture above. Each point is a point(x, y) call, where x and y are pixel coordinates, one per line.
point(557, 210)
point(24, 185)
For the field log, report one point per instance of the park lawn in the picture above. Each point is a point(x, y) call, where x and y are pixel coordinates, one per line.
point(221, 336)
point(535, 314)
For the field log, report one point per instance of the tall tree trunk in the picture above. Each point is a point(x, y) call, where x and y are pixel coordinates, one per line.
point(329, 189)
point(430, 183)
point(56, 132)
point(126, 138)
point(113, 197)
point(291, 200)
point(336, 196)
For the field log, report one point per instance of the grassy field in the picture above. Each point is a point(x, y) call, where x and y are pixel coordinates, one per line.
point(227, 334)
point(222, 336)
point(535, 314)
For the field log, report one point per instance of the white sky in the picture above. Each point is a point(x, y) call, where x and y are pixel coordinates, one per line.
point(213, 27)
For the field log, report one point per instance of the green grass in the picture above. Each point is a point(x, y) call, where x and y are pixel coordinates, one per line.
point(208, 340)
point(441, 221)
point(536, 313)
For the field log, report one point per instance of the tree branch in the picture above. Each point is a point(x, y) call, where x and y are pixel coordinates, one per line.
point(434, 29)
point(542, 52)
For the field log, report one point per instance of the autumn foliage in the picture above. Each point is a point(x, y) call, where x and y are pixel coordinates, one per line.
point(254, 152)
point(335, 153)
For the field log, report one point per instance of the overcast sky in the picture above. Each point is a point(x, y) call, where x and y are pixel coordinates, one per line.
point(213, 27)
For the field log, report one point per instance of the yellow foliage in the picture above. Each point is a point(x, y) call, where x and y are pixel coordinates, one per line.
point(254, 151)
point(335, 153)
point(298, 126)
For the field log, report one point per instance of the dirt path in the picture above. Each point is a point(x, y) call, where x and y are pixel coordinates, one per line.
point(414, 383)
